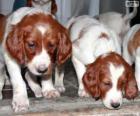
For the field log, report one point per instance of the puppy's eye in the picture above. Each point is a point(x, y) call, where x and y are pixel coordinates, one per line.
point(50, 45)
point(31, 45)
point(107, 84)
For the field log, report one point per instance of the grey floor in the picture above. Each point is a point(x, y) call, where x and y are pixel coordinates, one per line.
point(69, 104)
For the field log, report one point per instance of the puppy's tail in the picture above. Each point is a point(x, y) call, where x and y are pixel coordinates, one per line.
point(129, 15)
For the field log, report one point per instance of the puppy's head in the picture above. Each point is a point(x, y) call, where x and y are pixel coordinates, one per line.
point(38, 41)
point(108, 77)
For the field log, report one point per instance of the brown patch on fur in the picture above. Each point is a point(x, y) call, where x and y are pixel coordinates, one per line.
point(97, 79)
point(2, 26)
point(134, 43)
point(103, 35)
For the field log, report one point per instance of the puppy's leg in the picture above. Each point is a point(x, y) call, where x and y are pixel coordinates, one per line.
point(48, 89)
point(59, 75)
point(126, 55)
point(20, 100)
point(80, 70)
point(137, 71)
point(34, 85)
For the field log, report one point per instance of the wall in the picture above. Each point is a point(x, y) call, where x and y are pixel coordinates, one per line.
point(112, 5)
point(6, 6)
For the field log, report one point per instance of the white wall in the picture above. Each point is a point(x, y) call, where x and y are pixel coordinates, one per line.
point(6, 6)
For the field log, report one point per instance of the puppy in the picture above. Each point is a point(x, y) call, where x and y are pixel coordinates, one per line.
point(90, 39)
point(46, 5)
point(108, 77)
point(131, 50)
point(33, 39)
point(118, 22)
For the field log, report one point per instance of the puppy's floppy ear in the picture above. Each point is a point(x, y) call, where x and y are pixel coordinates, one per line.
point(64, 50)
point(131, 89)
point(15, 46)
point(91, 80)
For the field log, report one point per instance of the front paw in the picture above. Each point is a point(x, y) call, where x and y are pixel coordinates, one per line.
point(83, 93)
point(51, 93)
point(61, 89)
point(20, 103)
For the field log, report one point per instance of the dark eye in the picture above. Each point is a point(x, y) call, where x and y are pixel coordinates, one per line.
point(31, 45)
point(107, 84)
point(50, 45)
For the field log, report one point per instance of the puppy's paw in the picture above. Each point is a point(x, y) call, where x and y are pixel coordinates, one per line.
point(51, 93)
point(83, 93)
point(20, 103)
point(61, 89)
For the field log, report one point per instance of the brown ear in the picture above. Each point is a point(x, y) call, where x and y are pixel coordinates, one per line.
point(131, 89)
point(53, 7)
point(91, 81)
point(64, 48)
point(15, 46)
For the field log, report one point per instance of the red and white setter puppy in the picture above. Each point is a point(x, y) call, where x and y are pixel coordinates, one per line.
point(46, 5)
point(89, 40)
point(131, 50)
point(34, 39)
point(108, 77)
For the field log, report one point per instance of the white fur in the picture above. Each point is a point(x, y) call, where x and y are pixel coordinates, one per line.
point(135, 57)
point(59, 76)
point(117, 22)
point(114, 95)
point(87, 48)
point(42, 29)
point(20, 100)
point(48, 89)
point(32, 82)
point(41, 60)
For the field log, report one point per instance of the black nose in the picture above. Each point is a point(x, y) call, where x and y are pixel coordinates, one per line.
point(115, 105)
point(42, 70)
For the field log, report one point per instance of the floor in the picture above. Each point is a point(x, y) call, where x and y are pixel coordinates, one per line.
point(70, 104)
